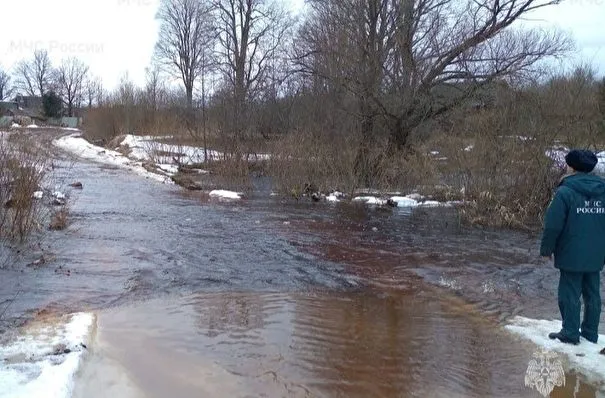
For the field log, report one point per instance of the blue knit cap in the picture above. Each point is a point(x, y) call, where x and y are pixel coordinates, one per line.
point(581, 160)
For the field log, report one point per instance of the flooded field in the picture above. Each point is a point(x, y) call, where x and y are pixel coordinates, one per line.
point(265, 297)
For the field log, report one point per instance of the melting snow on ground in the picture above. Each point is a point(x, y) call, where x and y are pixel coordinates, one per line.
point(79, 146)
point(43, 361)
point(583, 358)
point(412, 200)
point(333, 197)
point(149, 148)
point(219, 193)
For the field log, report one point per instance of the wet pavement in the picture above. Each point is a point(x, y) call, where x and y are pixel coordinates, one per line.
point(271, 297)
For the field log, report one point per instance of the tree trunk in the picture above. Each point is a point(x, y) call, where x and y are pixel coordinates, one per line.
point(204, 134)
point(189, 93)
point(399, 137)
point(364, 170)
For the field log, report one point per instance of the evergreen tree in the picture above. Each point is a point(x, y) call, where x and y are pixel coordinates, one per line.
point(52, 104)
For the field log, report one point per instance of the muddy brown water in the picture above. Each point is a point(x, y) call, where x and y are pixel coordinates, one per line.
point(266, 297)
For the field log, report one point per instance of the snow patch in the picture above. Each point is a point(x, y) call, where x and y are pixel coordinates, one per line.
point(80, 147)
point(32, 126)
point(220, 193)
point(44, 360)
point(15, 125)
point(370, 200)
point(404, 201)
point(332, 198)
point(408, 201)
point(169, 168)
point(150, 148)
point(38, 195)
point(583, 358)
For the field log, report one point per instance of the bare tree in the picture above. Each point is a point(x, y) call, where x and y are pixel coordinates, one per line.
point(70, 79)
point(251, 32)
point(155, 90)
point(6, 89)
point(93, 90)
point(34, 77)
point(186, 37)
point(409, 61)
point(153, 97)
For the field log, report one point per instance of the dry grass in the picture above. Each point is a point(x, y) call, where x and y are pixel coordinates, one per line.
point(59, 219)
point(505, 181)
point(329, 164)
point(22, 169)
point(304, 159)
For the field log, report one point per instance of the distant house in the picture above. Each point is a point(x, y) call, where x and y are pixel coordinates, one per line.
point(25, 110)
point(30, 102)
point(12, 112)
point(5, 106)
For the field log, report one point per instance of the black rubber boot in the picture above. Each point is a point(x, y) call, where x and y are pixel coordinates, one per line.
point(589, 337)
point(562, 338)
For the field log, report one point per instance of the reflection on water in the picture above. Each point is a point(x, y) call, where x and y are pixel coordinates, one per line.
point(314, 345)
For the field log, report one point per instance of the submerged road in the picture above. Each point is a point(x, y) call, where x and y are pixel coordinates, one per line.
point(264, 297)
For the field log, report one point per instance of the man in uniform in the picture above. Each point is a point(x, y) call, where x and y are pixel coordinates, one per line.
point(574, 232)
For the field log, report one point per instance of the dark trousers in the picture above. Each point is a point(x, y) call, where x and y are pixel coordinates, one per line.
point(572, 285)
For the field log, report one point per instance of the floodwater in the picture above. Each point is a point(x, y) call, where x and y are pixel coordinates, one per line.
point(269, 298)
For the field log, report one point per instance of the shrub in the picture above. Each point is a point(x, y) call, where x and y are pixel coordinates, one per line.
point(22, 168)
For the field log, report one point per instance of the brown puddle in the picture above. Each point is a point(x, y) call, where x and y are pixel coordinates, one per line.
point(307, 345)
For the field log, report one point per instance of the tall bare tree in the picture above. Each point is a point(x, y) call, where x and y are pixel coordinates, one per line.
point(93, 91)
point(186, 37)
point(70, 80)
point(155, 89)
point(251, 32)
point(6, 89)
point(409, 61)
point(33, 77)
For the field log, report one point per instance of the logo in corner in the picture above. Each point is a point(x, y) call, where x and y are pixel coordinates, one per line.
point(545, 372)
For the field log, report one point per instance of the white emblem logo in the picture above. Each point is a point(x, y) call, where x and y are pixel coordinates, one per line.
point(545, 372)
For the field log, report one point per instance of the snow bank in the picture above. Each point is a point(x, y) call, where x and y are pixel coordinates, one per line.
point(169, 168)
point(412, 200)
point(370, 200)
point(149, 148)
point(219, 193)
point(43, 361)
point(405, 201)
point(32, 126)
point(153, 149)
point(79, 146)
point(583, 358)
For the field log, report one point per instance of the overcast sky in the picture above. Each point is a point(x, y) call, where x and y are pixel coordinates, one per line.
point(118, 36)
